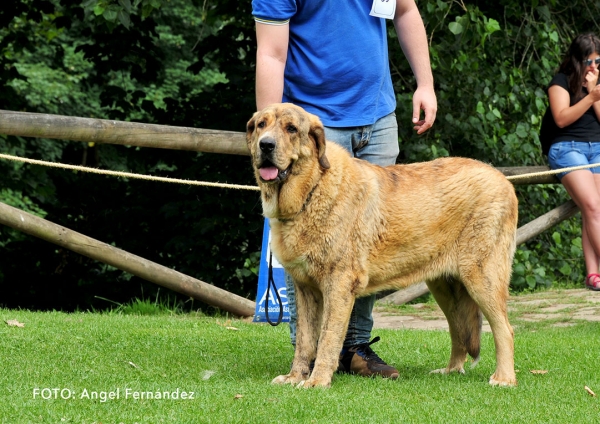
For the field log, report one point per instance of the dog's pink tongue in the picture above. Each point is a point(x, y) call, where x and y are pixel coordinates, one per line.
point(269, 173)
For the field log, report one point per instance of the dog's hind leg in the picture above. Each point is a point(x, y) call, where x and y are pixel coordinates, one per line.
point(491, 294)
point(464, 321)
point(309, 304)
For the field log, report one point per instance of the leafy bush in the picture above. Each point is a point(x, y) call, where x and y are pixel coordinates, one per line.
point(65, 57)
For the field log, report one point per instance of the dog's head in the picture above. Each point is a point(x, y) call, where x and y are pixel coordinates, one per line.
point(280, 137)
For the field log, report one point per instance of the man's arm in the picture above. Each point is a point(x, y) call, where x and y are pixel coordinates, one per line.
point(271, 55)
point(413, 40)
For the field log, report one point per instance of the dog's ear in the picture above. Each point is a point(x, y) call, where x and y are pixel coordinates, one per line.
point(250, 126)
point(317, 133)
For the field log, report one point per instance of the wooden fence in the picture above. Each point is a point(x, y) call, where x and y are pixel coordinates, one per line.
point(103, 131)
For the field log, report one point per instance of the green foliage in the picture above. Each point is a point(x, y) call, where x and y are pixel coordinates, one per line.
point(18, 200)
point(120, 11)
point(177, 65)
point(490, 90)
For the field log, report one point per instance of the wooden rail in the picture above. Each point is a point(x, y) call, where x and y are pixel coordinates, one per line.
point(534, 179)
point(104, 131)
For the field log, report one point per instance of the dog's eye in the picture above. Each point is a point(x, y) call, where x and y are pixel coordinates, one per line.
point(261, 124)
point(291, 129)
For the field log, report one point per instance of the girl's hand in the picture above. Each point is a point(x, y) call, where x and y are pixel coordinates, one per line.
point(595, 93)
point(591, 80)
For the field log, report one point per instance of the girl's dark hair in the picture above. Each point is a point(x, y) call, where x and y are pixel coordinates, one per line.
point(579, 50)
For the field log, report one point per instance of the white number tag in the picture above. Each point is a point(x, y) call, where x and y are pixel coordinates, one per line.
point(383, 9)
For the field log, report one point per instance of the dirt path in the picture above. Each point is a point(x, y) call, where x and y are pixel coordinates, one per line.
point(556, 307)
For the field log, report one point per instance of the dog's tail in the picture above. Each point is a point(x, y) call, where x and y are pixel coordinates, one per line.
point(472, 331)
point(470, 321)
point(474, 345)
point(463, 314)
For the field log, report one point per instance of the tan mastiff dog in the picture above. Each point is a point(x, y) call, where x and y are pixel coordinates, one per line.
point(344, 228)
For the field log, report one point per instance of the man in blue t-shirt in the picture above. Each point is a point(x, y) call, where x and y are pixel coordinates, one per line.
point(331, 58)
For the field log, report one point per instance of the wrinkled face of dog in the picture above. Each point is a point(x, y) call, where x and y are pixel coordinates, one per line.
point(280, 136)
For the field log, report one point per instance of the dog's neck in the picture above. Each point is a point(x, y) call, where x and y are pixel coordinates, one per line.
point(274, 209)
point(304, 205)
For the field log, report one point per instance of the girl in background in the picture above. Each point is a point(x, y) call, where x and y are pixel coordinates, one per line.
point(570, 137)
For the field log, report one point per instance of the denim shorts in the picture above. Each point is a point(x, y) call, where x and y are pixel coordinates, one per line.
point(377, 143)
point(566, 154)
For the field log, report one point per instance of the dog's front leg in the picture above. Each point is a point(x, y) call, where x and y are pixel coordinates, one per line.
point(309, 308)
point(337, 307)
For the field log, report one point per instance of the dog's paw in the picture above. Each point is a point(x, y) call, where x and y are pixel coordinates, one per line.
point(315, 382)
point(460, 370)
point(287, 379)
point(505, 382)
point(280, 379)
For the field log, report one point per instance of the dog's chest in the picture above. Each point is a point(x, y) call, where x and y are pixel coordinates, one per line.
point(308, 251)
point(296, 249)
point(269, 205)
point(287, 246)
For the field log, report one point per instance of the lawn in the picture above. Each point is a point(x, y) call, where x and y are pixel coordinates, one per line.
point(185, 368)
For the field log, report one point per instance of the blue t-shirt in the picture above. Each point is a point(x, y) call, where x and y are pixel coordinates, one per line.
point(337, 65)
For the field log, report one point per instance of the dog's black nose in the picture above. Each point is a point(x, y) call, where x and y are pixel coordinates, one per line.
point(267, 144)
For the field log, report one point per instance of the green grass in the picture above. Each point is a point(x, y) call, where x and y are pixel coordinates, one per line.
point(229, 371)
point(143, 306)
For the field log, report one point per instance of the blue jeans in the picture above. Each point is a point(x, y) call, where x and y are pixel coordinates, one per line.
point(378, 144)
point(566, 154)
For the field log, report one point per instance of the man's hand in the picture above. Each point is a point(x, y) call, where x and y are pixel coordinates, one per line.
point(424, 99)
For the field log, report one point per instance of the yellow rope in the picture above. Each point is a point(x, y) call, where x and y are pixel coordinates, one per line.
point(126, 174)
point(224, 185)
point(555, 171)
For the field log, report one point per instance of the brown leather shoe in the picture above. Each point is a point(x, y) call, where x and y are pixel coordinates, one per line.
point(362, 360)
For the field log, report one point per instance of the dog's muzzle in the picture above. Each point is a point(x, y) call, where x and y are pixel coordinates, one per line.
point(269, 173)
point(267, 170)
